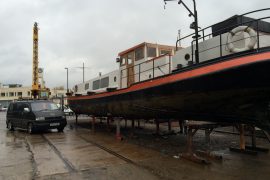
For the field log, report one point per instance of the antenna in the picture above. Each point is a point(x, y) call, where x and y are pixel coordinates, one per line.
point(179, 37)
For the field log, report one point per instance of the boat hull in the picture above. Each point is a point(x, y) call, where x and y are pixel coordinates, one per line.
point(237, 94)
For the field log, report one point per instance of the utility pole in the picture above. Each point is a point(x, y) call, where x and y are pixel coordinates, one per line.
point(67, 80)
point(83, 72)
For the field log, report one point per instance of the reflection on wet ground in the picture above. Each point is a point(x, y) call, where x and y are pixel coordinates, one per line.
point(78, 153)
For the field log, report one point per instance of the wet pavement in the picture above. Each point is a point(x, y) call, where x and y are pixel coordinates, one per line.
point(78, 153)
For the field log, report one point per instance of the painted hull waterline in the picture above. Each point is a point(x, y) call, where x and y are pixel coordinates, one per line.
point(232, 90)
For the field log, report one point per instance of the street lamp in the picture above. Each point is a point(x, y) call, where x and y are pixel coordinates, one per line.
point(67, 80)
point(193, 25)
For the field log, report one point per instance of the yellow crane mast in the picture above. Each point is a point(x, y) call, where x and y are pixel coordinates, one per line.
point(38, 89)
point(35, 87)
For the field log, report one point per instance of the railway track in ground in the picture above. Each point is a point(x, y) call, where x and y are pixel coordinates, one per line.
point(69, 165)
point(110, 151)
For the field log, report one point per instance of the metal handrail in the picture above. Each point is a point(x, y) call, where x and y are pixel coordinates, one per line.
point(246, 23)
point(220, 30)
point(227, 28)
point(150, 69)
point(221, 44)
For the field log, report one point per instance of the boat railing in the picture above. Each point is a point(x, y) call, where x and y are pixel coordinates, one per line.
point(153, 68)
point(150, 69)
point(205, 36)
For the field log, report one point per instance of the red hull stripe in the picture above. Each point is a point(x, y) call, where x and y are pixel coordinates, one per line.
point(181, 76)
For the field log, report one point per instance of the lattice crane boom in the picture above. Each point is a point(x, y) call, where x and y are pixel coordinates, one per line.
point(35, 85)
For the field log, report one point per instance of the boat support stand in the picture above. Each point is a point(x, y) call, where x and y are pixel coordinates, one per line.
point(246, 149)
point(189, 154)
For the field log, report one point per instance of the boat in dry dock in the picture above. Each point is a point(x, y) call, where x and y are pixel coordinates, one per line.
point(227, 81)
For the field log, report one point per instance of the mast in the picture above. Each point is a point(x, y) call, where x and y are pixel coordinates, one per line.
point(35, 87)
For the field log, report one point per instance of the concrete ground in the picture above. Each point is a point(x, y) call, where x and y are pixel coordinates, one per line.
point(79, 153)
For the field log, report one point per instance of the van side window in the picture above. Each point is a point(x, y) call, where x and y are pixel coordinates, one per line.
point(10, 108)
point(15, 107)
point(24, 106)
point(20, 107)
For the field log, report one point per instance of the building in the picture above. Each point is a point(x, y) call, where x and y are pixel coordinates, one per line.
point(11, 92)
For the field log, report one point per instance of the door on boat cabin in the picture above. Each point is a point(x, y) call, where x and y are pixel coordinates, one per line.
point(130, 69)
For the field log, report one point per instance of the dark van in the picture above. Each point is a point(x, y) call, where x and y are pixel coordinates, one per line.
point(35, 115)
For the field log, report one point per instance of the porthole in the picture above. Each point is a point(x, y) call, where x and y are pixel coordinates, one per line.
point(187, 57)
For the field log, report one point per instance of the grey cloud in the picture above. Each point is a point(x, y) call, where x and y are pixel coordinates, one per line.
point(93, 32)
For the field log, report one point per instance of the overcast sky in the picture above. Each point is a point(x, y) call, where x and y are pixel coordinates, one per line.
point(76, 31)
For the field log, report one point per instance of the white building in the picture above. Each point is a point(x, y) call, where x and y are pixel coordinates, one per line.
point(11, 92)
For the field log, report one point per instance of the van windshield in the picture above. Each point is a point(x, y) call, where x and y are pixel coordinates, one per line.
point(43, 106)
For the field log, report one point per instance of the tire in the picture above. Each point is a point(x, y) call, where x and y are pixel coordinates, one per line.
point(10, 126)
point(30, 128)
point(60, 129)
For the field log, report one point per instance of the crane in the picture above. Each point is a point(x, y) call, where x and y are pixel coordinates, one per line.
point(35, 88)
point(38, 89)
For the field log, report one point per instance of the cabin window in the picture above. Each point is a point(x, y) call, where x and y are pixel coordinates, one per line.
point(163, 52)
point(139, 54)
point(104, 82)
point(86, 86)
point(130, 59)
point(3, 94)
point(96, 84)
point(123, 61)
point(151, 52)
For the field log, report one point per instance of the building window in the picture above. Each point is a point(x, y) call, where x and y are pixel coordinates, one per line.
point(28, 93)
point(86, 86)
point(11, 94)
point(104, 82)
point(139, 54)
point(151, 52)
point(19, 93)
point(96, 84)
point(3, 94)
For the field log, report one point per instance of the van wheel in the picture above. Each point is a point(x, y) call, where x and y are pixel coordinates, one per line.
point(30, 128)
point(10, 126)
point(60, 129)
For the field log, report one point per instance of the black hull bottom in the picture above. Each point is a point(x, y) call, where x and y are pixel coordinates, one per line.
point(235, 95)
